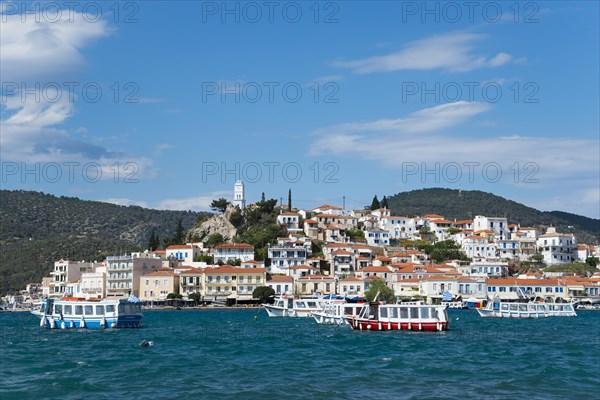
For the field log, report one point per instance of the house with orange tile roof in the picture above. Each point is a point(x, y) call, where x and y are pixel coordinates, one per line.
point(231, 251)
point(157, 285)
point(312, 284)
point(352, 286)
point(191, 280)
point(281, 284)
point(228, 282)
point(341, 262)
point(409, 256)
point(463, 287)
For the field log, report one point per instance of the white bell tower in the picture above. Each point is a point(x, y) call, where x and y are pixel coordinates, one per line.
point(239, 198)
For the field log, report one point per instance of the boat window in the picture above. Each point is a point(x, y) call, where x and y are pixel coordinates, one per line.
point(312, 304)
point(504, 306)
point(78, 310)
point(384, 312)
point(403, 312)
point(424, 312)
point(99, 310)
point(394, 313)
point(68, 309)
point(57, 309)
point(522, 307)
point(89, 310)
point(110, 308)
point(414, 312)
point(300, 304)
point(513, 307)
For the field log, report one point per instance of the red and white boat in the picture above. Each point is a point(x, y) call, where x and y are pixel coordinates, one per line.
point(414, 316)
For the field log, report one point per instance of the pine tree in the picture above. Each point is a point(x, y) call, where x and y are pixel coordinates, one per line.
point(384, 202)
point(152, 241)
point(262, 198)
point(375, 204)
point(290, 200)
point(179, 233)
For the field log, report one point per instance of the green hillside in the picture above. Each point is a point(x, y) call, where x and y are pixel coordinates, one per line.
point(37, 229)
point(454, 204)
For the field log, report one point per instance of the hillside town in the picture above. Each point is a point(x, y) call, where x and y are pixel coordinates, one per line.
point(322, 254)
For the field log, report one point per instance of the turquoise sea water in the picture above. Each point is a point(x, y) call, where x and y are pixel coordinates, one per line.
point(227, 354)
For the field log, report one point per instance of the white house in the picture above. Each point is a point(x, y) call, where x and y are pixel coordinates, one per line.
point(290, 220)
point(377, 237)
point(231, 251)
point(497, 224)
point(281, 284)
point(66, 271)
point(398, 227)
point(557, 248)
point(478, 248)
point(433, 286)
point(352, 286)
point(184, 253)
point(93, 284)
point(287, 253)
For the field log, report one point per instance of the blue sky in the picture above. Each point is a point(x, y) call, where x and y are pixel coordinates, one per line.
point(328, 99)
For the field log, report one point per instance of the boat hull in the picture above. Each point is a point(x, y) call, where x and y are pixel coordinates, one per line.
point(368, 325)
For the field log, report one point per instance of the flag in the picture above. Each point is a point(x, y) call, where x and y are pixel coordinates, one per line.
point(447, 296)
point(133, 299)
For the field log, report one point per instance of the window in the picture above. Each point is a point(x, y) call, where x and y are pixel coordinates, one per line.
point(89, 310)
point(99, 310)
point(78, 310)
point(68, 310)
point(110, 308)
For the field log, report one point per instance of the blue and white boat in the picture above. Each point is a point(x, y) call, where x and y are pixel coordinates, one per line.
point(69, 313)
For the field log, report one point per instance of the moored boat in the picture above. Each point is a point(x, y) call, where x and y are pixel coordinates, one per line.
point(336, 312)
point(80, 313)
point(415, 316)
point(501, 309)
point(289, 306)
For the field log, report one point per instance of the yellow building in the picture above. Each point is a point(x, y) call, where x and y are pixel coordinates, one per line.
point(157, 285)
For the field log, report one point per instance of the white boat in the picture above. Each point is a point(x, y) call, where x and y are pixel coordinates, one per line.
point(413, 316)
point(80, 313)
point(336, 312)
point(501, 309)
point(289, 306)
point(456, 305)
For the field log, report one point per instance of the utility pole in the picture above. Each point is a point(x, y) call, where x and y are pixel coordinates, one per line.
point(344, 204)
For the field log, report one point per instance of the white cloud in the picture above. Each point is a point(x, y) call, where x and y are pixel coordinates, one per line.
point(160, 147)
point(198, 203)
point(126, 202)
point(40, 57)
point(554, 163)
point(42, 51)
point(452, 52)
